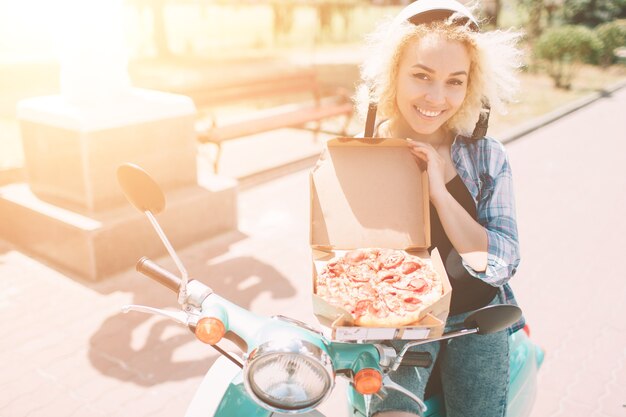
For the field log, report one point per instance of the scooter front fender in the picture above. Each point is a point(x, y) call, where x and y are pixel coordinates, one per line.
point(222, 394)
point(214, 390)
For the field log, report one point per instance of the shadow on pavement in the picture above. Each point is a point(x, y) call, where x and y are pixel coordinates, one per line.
point(143, 349)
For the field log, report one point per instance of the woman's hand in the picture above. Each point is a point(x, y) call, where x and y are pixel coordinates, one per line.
point(425, 153)
point(467, 236)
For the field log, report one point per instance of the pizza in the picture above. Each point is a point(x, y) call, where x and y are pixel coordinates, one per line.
point(379, 287)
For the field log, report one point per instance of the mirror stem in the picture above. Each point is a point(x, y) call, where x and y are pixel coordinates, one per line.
point(182, 292)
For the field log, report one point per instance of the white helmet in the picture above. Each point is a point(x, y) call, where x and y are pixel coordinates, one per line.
point(426, 11)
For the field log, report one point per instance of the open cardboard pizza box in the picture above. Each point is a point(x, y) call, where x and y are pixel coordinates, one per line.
point(370, 193)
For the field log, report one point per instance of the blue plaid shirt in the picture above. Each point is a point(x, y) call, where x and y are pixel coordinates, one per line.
point(484, 168)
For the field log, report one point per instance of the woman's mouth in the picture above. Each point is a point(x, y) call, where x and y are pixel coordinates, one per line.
point(429, 114)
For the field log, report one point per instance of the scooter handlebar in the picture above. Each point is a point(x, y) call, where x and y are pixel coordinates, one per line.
point(157, 273)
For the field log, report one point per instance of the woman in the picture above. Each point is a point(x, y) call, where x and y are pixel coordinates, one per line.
point(433, 75)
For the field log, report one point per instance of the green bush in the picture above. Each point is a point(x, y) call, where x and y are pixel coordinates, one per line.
point(613, 36)
point(563, 48)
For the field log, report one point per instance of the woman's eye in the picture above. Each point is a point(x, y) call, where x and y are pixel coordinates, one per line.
point(421, 76)
point(455, 81)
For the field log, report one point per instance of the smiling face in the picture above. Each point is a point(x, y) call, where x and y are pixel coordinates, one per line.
point(431, 86)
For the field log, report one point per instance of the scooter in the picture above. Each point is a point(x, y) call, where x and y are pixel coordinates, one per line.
point(287, 367)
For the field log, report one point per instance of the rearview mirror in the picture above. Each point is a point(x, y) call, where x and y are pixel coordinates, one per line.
point(493, 318)
point(140, 189)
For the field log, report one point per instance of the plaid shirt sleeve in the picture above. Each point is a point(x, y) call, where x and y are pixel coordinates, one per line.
point(496, 213)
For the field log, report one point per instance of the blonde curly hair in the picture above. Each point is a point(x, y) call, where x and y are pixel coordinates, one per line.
point(494, 61)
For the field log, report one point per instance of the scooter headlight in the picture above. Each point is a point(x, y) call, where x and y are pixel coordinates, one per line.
point(288, 376)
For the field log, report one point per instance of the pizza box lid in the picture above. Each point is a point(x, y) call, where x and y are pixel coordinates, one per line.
point(369, 192)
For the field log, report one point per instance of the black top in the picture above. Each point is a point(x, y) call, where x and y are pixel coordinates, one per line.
point(468, 292)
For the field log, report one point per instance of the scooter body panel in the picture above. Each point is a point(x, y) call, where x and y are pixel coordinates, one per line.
point(525, 360)
point(222, 394)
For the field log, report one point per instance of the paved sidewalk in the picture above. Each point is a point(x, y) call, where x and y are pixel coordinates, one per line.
point(67, 350)
point(570, 182)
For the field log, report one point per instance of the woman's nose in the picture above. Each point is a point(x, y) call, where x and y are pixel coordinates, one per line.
point(435, 94)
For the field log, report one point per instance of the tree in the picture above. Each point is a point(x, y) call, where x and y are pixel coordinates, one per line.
point(491, 11)
point(534, 8)
point(283, 12)
point(593, 12)
point(159, 30)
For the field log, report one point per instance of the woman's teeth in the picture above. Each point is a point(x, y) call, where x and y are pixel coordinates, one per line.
point(429, 113)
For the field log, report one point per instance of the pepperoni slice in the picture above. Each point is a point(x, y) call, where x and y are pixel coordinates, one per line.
point(418, 284)
point(332, 264)
point(361, 307)
point(391, 259)
point(401, 285)
point(408, 267)
point(355, 257)
point(359, 277)
point(412, 303)
point(376, 265)
point(388, 277)
point(336, 269)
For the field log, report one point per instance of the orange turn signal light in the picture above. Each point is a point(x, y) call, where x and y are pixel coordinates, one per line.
point(368, 381)
point(210, 330)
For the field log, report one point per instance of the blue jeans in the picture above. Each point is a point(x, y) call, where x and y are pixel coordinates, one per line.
point(474, 375)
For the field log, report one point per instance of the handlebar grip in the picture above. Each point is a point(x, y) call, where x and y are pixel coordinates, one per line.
point(158, 273)
point(420, 359)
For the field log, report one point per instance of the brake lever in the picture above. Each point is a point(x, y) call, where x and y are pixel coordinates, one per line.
point(388, 383)
point(182, 318)
point(178, 316)
point(398, 359)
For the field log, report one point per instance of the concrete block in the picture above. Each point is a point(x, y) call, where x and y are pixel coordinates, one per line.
point(71, 153)
point(100, 244)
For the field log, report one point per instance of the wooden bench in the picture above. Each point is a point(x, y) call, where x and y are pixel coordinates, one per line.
point(325, 103)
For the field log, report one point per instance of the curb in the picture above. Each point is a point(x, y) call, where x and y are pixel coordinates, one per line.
point(560, 112)
point(11, 175)
point(269, 174)
point(307, 162)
